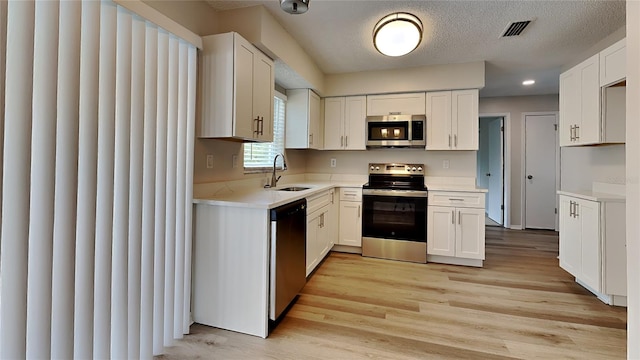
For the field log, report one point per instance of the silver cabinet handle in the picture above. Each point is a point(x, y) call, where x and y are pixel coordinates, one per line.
point(575, 211)
point(455, 199)
point(346, 141)
point(455, 140)
point(341, 141)
point(577, 131)
point(449, 140)
point(571, 137)
point(311, 139)
point(459, 218)
point(358, 210)
point(453, 217)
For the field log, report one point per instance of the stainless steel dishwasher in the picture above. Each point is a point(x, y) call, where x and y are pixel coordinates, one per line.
point(288, 255)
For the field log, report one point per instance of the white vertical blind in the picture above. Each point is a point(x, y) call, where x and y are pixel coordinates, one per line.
point(87, 165)
point(96, 195)
point(160, 200)
point(170, 213)
point(15, 181)
point(66, 180)
point(43, 146)
point(149, 191)
point(135, 184)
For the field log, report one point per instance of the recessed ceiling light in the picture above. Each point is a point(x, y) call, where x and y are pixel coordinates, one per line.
point(397, 34)
point(528, 82)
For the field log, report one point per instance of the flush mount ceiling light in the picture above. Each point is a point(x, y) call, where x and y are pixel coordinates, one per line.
point(295, 6)
point(397, 34)
point(528, 82)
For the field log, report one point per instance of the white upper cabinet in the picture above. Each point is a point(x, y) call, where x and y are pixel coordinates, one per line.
point(613, 63)
point(237, 88)
point(408, 103)
point(592, 111)
point(344, 123)
point(452, 120)
point(303, 128)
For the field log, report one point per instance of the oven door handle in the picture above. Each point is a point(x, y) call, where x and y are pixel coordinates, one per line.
point(397, 193)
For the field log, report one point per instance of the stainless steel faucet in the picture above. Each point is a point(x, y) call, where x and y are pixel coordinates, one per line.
point(274, 179)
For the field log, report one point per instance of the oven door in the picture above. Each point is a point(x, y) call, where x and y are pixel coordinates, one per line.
point(395, 215)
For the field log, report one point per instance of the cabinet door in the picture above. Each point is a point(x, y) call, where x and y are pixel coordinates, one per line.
point(464, 119)
point(589, 125)
point(324, 244)
point(354, 123)
point(244, 125)
point(312, 251)
point(613, 63)
point(470, 233)
point(334, 123)
point(408, 103)
point(441, 236)
point(316, 140)
point(570, 247)
point(350, 223)
point(263, 89)
point(569, 105)
point(588, 215)
point(439, 135)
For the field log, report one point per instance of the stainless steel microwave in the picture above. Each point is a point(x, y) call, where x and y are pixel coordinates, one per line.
point(391, 131)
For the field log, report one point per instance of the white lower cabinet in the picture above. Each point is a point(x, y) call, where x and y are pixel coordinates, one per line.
point(592, 246)
point(350, 232)
point(320, 228)
point(455, 228)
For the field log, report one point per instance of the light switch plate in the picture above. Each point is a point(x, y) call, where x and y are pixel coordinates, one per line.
point(333, 162)
point(234, 161)
point(209, 161)
point(445, 164)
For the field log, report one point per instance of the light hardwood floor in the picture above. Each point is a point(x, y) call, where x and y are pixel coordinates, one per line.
point(520, 305)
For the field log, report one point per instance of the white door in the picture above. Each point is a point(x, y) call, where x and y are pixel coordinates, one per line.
point(540, 171)
point(494, 196)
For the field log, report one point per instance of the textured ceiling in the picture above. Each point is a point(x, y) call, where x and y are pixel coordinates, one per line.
point(337, 35)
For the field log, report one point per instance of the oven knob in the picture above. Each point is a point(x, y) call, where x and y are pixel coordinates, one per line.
point(372, 168)
point(419, 168)
point(413, 168)
point(377, 167)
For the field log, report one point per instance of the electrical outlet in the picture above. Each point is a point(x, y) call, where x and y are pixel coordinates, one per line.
point(333, 162)
point(209, 161)
point(445, 164)
point(234, 161)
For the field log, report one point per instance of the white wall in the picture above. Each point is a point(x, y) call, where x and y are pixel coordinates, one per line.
point(461, 163)
point(633, 179)
point(581, 166)
point(423, 78)
point(515, 106)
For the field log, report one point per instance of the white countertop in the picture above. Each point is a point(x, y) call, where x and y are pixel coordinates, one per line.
point(593, 195)
point(447, 187)
point(260, 198)
point(599, 192)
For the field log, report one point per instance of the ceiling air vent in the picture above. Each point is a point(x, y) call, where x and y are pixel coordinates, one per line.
point(515, 28)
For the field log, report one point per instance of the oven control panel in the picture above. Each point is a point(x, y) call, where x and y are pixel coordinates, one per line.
point(396, 169)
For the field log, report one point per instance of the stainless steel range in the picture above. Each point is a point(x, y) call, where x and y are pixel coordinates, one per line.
point(394, 203)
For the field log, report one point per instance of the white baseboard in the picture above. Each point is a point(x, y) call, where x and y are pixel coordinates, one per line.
point(515, 227)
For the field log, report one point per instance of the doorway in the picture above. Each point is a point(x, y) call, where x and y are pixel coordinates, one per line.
point(490, 167)
point(540, 170)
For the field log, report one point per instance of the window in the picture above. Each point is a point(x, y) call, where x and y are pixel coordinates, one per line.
point(258, 157)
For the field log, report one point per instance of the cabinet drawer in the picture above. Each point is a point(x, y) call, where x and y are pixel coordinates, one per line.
point(317, 201)
point(458, 199)
point(350, 194)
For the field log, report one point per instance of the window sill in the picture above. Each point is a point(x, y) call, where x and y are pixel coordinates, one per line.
point(260, 170)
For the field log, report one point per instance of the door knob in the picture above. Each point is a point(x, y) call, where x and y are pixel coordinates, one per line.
point(530, 177)
point(488, 174)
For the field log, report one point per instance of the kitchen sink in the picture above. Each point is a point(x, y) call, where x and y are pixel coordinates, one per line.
point(294, 188)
